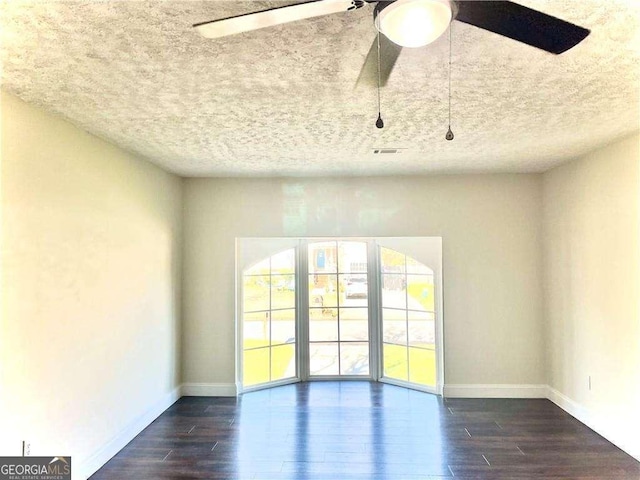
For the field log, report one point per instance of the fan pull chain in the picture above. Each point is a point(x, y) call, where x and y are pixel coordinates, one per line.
point(449, 136)
point(379, 122)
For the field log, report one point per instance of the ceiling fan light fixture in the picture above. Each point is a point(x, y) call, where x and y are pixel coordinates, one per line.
point(414, 23)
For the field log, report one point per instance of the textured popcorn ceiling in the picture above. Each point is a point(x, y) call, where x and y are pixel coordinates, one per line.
point(282, 101)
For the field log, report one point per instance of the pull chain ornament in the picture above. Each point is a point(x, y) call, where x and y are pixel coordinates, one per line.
point(449, 135)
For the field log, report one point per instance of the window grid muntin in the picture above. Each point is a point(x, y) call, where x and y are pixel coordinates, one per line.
point(404, 272)
point(270, 345)
point(335, 275)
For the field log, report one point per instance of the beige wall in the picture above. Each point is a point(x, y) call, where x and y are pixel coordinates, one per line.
point(491, 229)
point(592, 288)
point(91, 244)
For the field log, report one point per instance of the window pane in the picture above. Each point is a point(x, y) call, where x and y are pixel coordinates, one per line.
point(421, 334)
point(354, 358)
point(323, 291)
point(391, 261)
point(255, 368)
point(394, 326)
point(352, 257)
point(354, 324)
point(394, 293)
point(256, 293)
point(414, 266)
point(283, 291)
point(421, 292)
point(260, 268)
point(355, 290)
point(422, 330)
point(395, 361)
point(283, 363)
point(283, 326)
point(422, 365)
point(323, 358)
point(322, 257)
point(255, 330)
point(284, 262)
point(322, 328)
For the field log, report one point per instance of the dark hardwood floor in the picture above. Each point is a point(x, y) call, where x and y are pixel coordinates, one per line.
point(366, 431)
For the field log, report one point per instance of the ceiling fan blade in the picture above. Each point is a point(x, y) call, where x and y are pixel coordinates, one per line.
point(274, 16)
point(389, 53)
point(522, 24)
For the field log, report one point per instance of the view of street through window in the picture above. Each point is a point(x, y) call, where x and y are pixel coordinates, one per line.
point(339, 315)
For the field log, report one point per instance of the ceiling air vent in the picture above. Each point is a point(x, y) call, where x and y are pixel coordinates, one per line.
point(387, 150)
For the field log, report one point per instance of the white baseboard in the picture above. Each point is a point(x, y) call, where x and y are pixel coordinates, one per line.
point(208, 390)
point(622, 436)
point(572, 408)
point(495, 391)
point(93, 463)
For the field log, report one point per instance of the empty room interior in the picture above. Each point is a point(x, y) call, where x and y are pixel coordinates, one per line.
point(284, 240)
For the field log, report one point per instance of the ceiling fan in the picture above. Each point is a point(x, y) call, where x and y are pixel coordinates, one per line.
point(415, 23)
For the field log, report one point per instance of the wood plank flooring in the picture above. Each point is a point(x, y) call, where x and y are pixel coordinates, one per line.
point(366, 431)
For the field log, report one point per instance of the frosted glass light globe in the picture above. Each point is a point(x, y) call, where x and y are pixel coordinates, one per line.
point(414, 23)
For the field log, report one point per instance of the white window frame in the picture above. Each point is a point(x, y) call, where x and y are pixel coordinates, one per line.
point(427, 250)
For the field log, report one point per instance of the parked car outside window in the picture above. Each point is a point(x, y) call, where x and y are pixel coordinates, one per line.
point(357, 287)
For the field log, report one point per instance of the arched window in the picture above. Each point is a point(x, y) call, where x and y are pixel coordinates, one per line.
point(340, 308)
point(269, 320)
point(408, 319)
